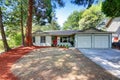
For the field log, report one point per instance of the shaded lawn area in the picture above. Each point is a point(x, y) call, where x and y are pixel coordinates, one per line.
point(7, 59)
point(58, 64)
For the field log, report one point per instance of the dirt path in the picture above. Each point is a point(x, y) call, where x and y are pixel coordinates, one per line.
point(58, 64)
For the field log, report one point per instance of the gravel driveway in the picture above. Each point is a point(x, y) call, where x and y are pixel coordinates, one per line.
point(107, 58)
point(58, 64)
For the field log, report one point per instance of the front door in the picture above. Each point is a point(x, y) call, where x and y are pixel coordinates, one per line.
point(54, 40)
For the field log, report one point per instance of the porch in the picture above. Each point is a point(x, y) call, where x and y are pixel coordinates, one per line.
point(63, 41)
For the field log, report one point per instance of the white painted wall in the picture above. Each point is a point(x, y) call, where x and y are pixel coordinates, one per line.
point(47, 43)
point(76, 42)
point(37, 41)
point(48, 40)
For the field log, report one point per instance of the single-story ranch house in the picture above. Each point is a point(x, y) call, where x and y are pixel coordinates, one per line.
point(89, 38)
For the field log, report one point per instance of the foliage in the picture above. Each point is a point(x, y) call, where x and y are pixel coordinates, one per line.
point(111, 8)
point(47, 27)
point(87, 3)
point(72, 21)
point(12, 16)
point(6, 46)
point(67, 46)
point(43, 13)
point(1, 46)
point(91, 17)
point(44, 10)
point(15, 40)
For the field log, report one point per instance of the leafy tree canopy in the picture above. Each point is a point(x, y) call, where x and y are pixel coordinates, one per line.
point(91, 17)
point(72, 21)
point(52, 26)
point(44, 10)
point(111, 8)
point(87, 3)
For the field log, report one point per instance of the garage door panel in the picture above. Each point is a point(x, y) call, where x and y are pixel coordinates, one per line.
point(84, 42)
point(101, 42)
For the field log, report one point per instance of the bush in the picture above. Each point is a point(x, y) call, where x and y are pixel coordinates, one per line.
point(52, 45)
point(67, 46)
point(15, 40)
point(1, 46)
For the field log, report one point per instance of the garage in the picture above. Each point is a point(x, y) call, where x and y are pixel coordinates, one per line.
point(93, 38)
point(102, 41)
point(86, 41)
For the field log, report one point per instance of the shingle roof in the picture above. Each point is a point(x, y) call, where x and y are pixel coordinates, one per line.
point(58, 32)
point(65, 32)
point(93, 30)
point(114, 26)
point(68, 32)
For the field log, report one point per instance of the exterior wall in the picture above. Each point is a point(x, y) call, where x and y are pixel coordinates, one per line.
point(76, 42)
point(110, 40)
point(58, 40)
point(93, 39)
point(37, 40)
point(48, 41)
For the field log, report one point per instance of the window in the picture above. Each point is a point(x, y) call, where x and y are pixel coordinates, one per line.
point(42, 39)
point(64, 39)
point(33, 39)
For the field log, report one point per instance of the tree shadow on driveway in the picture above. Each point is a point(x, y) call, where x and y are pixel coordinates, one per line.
point(58, 64)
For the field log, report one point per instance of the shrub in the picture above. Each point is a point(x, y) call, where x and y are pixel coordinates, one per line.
point(67, 46)
point(1, 46)
point(15, 40)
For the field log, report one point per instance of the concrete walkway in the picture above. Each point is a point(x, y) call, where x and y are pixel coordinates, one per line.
point(107, 58)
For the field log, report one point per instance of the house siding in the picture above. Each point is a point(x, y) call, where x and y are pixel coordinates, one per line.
point(76, 42)
point(37, 40)
point(47, 41)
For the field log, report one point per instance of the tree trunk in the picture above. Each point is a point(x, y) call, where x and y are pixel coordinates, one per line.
point(21, 22)
point(6, 46)
point(28, 36)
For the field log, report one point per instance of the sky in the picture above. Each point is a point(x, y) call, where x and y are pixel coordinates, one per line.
point(63, 13)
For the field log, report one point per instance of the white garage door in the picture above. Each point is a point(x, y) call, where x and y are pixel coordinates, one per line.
point(101, 42)
point(84, 42)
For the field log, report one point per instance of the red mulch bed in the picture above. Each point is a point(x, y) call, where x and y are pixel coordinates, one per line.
point(7, 59)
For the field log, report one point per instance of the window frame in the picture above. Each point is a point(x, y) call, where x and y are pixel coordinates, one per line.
point(65, 39)
point(33, 39)
point(42, 39)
